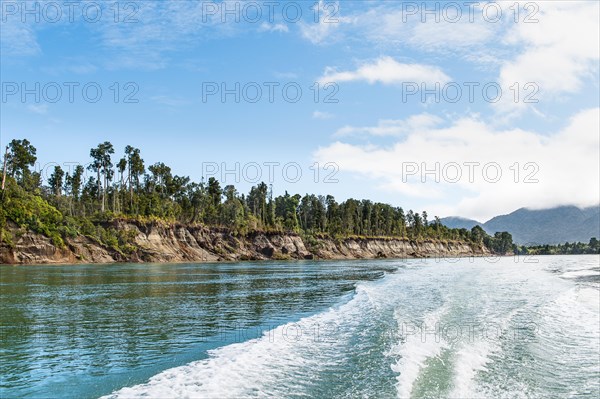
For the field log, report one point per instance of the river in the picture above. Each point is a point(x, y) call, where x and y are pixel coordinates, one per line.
point(522, 327)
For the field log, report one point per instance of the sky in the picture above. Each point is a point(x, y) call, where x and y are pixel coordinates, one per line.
point(472, 109)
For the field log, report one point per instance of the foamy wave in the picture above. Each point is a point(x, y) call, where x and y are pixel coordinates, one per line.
point(285, 359)
point(415, 351)
point(473, 358)
point(569, 337)
point(580, 273)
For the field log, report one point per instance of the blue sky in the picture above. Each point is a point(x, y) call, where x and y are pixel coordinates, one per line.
point(373, 52)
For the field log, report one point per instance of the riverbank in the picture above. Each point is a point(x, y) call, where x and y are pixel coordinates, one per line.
point(159, 243)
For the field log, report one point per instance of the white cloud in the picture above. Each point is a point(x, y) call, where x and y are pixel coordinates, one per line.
point(17, 39)
point(565, 165)
point(76, 65)
point(164, 28)
point(266, 27)
point(317, 33)
point(559, 53)
point(322, 115)
point(386, 70)
point(392, 127)
point(323, 31)
point(446, 36)
point(41, 109)
point(384, 26)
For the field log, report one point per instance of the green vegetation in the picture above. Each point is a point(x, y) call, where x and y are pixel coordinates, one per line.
point(500, 243)
point(31, 211)
point(576, 248)
point(68, 205)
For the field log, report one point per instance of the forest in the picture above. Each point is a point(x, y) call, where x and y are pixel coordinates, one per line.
point(83, 199)
point(575, 248)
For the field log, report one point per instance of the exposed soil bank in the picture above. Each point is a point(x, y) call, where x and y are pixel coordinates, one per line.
point(158, 243)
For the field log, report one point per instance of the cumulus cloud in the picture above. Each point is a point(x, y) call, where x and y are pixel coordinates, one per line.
point(386, 70)
point(434, 163)
point(559, 53)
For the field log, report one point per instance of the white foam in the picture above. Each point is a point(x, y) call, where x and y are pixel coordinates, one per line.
point(469, 361)
point(279, 362)
point(415, 351)
point(575, 312)
point(580, 273)
point(569, 332)
point(474, 355)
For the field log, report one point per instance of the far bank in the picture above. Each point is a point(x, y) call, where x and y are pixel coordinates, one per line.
point(161, 243)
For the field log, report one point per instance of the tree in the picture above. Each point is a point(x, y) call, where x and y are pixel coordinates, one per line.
point(56, 180)
point(20, 157)
point(161, 177)
point(175, 198)
point(176, 186)
point(333, 217)
point(437, 225)
point(286, 210)
point(594, 244)
point(4, 172)
point(232, 211)
point(135, 168)
point(257, 202)
point(401, 221)
point(506, 242)
point(121, 167)
point(417, 224)
point(501, 243)
point(88, 193)
point(478, 234)
point(214, 194)
point(230, 193)
point(76, 181)
point(102, 165)
point(195, 194)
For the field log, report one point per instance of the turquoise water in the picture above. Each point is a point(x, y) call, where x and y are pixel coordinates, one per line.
point(489, 328)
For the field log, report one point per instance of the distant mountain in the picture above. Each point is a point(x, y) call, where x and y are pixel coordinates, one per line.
point(455, 222)
point(546, 226)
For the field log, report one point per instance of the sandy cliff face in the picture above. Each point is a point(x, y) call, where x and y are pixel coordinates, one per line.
point(394, 248)
point(158, 243)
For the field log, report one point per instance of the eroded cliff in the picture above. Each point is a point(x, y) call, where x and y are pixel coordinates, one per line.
point(176, 243)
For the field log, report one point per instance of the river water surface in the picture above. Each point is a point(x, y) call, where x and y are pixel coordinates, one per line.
point(468, 328)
